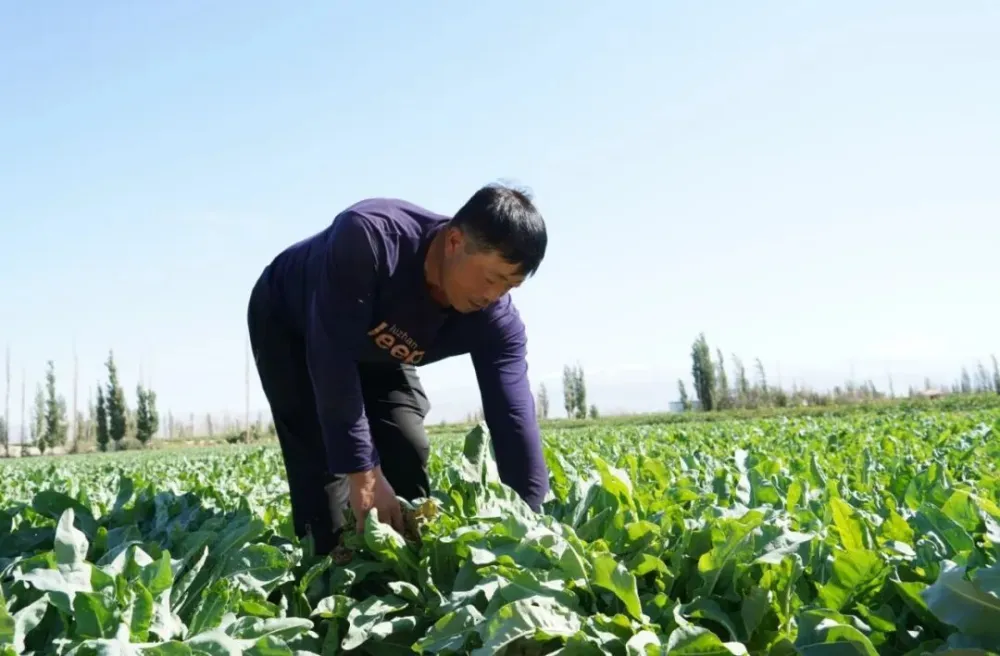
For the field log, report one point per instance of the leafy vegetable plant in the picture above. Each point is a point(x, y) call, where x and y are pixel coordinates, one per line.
point(868, 534)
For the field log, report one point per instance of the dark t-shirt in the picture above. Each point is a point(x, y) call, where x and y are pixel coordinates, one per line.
point(356, 292)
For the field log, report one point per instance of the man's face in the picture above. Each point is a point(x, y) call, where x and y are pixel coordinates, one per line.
point(472, 281)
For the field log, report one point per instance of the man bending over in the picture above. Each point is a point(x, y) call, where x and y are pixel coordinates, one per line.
point(340, 321)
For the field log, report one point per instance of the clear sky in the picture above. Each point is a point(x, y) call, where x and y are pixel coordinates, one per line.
point(814, 184)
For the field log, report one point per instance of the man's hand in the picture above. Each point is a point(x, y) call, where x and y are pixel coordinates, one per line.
point(370, 490)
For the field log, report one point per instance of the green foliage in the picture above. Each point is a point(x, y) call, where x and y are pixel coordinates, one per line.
point(147, 419)
point(763, 392)
point(543, 402)
point(714, 392)
point(874, 533)
point(103, 434)
point(117, 409)
point(574, 392)
point(722, 392)
point(56, 424)
point(965, 384)
point(683, 395)
point(38, 419)
point(703, 373)
point(743, 389)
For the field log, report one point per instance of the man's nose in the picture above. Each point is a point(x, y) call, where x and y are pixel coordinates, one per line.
point(495, 292)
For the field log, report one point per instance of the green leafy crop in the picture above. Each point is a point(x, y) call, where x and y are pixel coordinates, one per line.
point(864, 534)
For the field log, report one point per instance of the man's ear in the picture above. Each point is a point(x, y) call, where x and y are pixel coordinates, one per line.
point(454, 240)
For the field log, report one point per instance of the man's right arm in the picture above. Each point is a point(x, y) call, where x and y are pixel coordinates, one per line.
point(340, 311)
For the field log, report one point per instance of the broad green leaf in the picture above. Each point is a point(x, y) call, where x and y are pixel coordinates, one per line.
point(333, 607)
point(731, 539)
point(27, 620)
point(365, 617)
point(451, 632)
point(256, 567)
point(614, 577)
point(54, 505)
point(644, 643)
point(211, 608)
point(70, 543)
point(142, 611)
point(537, 619)
point(95, 615)
point(970, 602)
point(390, 547)
point(821, 634)
point(849, 525)
point(856, 575)
point(689, 639)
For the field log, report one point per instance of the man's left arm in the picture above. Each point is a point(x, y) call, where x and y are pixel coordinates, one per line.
point(509, 406)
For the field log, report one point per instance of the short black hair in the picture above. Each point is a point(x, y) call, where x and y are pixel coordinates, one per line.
point(501, 218)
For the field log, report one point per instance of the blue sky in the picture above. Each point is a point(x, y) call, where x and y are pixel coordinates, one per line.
point(814, 184)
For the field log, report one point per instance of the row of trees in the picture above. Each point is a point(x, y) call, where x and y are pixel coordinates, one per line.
point(109, 422)
point(713, 390)
point(114, 421)
point(112, 424)
point(984, 381)
point(49, 423)
point(711, 383)
point(716, 387)
point(574, 396)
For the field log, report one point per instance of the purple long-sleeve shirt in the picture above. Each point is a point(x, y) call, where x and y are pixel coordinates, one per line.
point(357, 293)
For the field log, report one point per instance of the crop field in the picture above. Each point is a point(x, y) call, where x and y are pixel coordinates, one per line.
point(876, 532)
